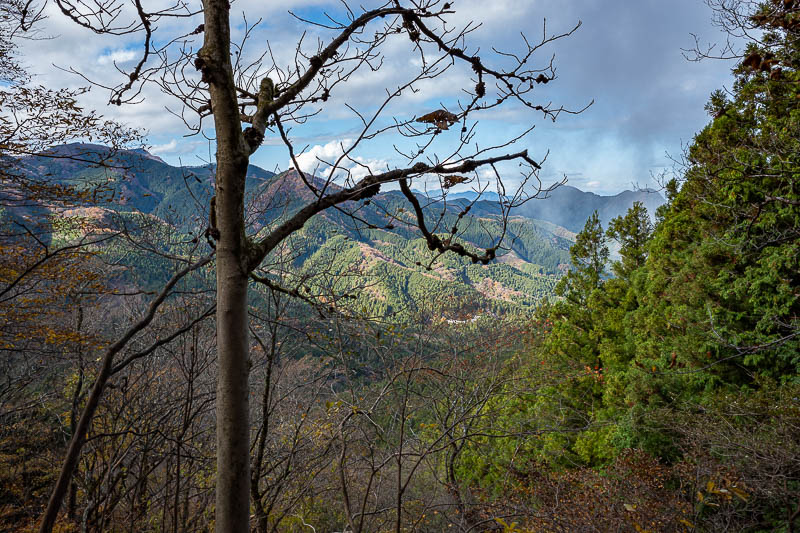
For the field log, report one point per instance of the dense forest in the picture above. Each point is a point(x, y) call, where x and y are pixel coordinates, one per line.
point(225, 348)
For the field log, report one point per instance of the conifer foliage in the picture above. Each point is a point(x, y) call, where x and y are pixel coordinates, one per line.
point(690, 350)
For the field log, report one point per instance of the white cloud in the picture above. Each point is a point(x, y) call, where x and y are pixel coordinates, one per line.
point(167, 148)
point(70, 47)
point(593, 184)
point(689, 85)
point(364, 167)
point(486, 173)
point(117, 56)
point(648, 98)
point(318, 158)
point(497, 16)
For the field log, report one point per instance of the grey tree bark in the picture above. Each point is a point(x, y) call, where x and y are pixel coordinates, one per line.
point(233, 428)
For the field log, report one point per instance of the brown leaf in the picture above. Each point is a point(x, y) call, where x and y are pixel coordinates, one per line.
point(454, 179)
point(440, 118)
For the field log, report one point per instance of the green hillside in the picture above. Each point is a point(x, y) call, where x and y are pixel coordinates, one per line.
point(370, 250)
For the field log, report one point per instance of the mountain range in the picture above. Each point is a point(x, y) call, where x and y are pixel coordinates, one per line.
point(570, 207)
point(377, 257)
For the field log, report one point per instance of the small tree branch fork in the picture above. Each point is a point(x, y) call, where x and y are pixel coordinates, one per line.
point(269, 103)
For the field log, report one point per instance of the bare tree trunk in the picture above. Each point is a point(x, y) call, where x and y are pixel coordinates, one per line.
point(233, 427)
point(262, 519)
point(73, 418)
point(76, 443)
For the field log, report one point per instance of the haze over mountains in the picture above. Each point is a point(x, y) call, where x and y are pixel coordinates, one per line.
point(392, 263)
point(570, 207)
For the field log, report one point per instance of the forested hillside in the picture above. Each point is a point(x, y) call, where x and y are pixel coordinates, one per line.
point(676, 379)
point(223, 348)
point(383, 256)
point(385, 250)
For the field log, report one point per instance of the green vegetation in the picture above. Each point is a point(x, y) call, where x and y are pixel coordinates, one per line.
point(382, 264)
point(393, 387)
point(686, 348)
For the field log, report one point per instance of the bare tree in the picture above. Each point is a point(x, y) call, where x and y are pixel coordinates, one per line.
point(394, 431)
point(250, 98)
point(288, 455)
point(149, 453)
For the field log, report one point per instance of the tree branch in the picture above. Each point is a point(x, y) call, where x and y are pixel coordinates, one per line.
point(368, 186)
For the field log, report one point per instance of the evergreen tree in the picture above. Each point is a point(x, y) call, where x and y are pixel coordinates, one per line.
point(725, 260)
point(589, 256)
point(632, 232)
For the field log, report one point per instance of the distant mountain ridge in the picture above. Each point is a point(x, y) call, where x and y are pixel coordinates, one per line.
point(565, 206)
point(384, 248)
point(568, 206)
point(382, 261)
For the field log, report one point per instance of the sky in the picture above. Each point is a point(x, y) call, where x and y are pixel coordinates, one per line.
point(626, 57)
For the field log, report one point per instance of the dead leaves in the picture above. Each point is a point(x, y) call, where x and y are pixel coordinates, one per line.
point(755, 62)
point(453, 179)
point(440, 118)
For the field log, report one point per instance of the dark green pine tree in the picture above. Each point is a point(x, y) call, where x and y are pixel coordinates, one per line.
point(632, 233)
point(589, 256)
point(724, 280)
